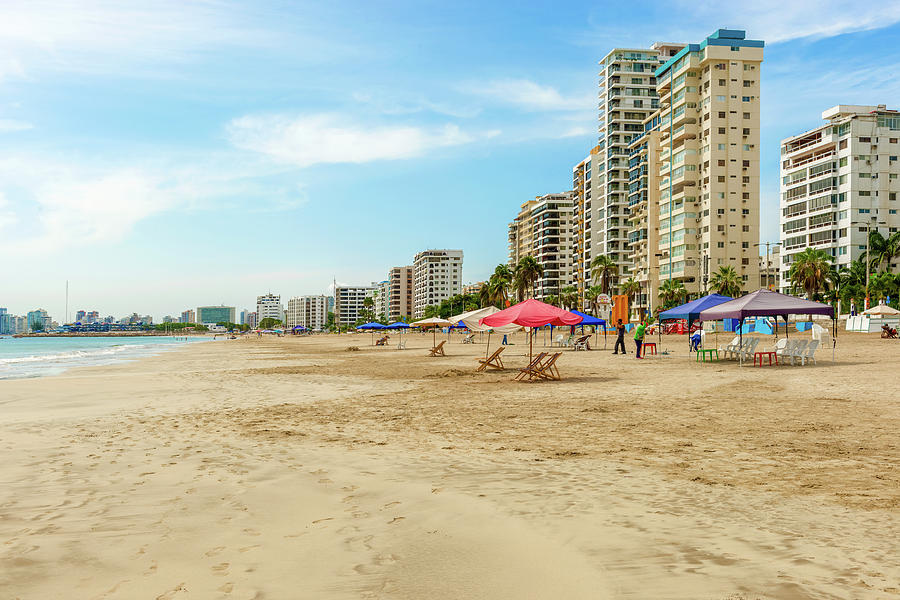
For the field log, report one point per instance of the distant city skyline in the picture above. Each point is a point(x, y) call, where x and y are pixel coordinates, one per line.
point(171, 156)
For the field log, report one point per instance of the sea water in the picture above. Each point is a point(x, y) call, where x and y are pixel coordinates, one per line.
point(39, 357)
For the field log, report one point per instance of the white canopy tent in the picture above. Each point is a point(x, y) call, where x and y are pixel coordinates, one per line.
point(470, 319)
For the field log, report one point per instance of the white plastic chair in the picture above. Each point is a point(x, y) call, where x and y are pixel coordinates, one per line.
point(401, 345)
point(731, 347)
point(785, 350)
point(809, 355)
point(797, 350)
point(749, 348)
point(559, 340)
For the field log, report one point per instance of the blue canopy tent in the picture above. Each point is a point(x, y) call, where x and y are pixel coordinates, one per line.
point(372, 327)
point(691, 310)
point(587, 319)
point(400, 325)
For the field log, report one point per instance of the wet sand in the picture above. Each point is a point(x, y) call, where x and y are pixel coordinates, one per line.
point(294, 468)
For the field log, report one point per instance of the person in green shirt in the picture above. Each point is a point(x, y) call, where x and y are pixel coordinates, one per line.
point(639, 338)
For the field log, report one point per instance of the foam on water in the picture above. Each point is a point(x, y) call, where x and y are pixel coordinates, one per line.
point(38, 357)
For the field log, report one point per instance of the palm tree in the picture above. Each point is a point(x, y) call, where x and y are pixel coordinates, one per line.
point(527, 273)
point(670, 291)
point(809, 271)
point(590, 295)
point(604, 269)
point(552, 299)
point(726, 281)
point(568, 297)
point(630, 288)
point(882, 250)
point(484, 294)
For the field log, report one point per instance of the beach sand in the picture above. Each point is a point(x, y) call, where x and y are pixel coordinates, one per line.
point(296, 468)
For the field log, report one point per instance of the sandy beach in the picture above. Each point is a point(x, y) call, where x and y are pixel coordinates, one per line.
point(296, 468)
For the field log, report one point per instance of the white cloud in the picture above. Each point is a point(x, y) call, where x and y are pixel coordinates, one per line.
point(529, 95)
point(11, 68)
point(331, 138)
point(50, 204)
point(14, 125)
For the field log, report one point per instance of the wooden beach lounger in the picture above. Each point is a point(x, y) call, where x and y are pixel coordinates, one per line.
point(531, 368)
point(493, 361)
point(547, 369)
point(439, 349)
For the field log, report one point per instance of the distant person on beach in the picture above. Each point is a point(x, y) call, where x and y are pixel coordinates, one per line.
point(620, 338)
point(639, 337)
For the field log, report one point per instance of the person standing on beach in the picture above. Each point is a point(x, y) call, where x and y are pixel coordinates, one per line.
point(639, 338)
point(620, 337)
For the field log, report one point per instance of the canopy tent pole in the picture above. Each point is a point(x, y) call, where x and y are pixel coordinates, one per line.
point(741, 343)
point(488, 343)
point(834, 336)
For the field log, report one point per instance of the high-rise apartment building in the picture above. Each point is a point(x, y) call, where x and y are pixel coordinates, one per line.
point(188, 316)
point(643, 215)
point(213, 314)
point(80, 316)
point(348, 303)
point(382, 290)
point(709, 95)
point(400, 293)
point(38, 320)
point(437, 275)
point(308, 311)
point(543, 229)
point(5, 322)
point(838, 181)
point(270, 307)
point(252, 320)
point(585, 197)
point(628, 95)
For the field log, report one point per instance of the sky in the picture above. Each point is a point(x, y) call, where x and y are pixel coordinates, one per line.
point(163, 155)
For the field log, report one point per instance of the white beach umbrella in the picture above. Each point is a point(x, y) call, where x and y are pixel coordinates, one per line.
point(434, 323)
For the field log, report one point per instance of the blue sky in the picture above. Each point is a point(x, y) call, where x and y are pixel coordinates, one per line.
point(164, 155)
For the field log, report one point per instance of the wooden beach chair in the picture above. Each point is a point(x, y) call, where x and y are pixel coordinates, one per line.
point(438, 350)
point(547, 369)
point(582, 343)
point(532, 366)
point(493, 361)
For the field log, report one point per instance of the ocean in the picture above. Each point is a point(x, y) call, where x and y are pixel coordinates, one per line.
point(39, 357)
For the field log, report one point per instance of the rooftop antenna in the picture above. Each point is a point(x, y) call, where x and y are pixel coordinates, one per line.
point(67, 303)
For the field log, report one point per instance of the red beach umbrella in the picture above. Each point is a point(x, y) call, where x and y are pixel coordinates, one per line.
point(531, 313)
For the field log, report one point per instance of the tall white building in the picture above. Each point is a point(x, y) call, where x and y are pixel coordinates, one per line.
point(838, 181)
point(269, 306)
point(543, 229)
point(628, 95)
point(308, 311)
point(382, 295)
point(437, 275)
point(400, 293)
point(348, 303)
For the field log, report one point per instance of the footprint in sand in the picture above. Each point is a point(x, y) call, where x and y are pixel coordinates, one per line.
point(385, 559)
point(171, 593)
point(252, 532)
point(325, 480)
point(389, 504)
point(395, 520)
point(221, 569)
point(226, 588)
point(214, 551)
point(325, 519)
point(151, 570)
point(248, 548)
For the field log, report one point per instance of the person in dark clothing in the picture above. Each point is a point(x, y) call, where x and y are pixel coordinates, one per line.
point(620, 337)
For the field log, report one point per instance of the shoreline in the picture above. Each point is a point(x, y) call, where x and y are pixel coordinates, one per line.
point(286, 467)
point(102, 334)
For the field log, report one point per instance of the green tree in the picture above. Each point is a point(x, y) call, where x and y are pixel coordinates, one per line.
point(809, 271)
point(269, 323)
point(671, 292)
point(591, 295)
point(604, 270)
point(433, 310)
point(568, 297)
point(726, 281)
point(552, 299)
point(630, 288)
point(528, 271)
point(882, 250)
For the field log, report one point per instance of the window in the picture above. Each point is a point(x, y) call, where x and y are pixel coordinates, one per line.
point(720, 228)
point(745, 195)
point(746, 131)
point(721, 114)
point(745, 244)
point(745, 146)
point(745, 163)
point(893, 140)
point(843, 162)
point(865, 139)
point(721, 179)
point(745, 211)
point(745, 228)
point(721, 146)
point(892, 196)
point(747, 83)
point(864, 211)
point(720, 244)
point(746, 115)
point(720, 98)
point(722, 82)
point(746, 98)
point(721, 163)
